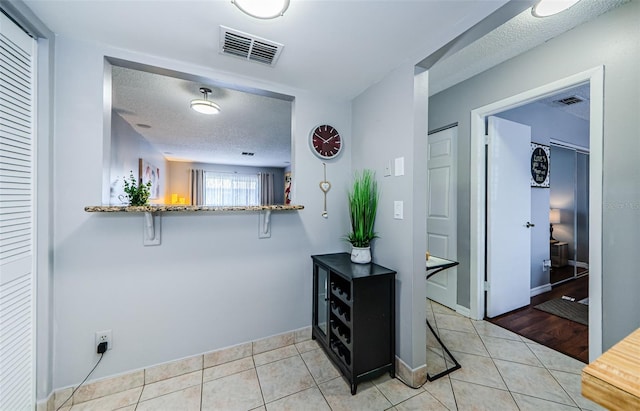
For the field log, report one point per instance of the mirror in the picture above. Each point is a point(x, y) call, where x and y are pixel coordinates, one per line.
point(157, 136)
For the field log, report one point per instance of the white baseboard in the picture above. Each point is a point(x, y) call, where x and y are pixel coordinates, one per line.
point(241, 350)
point(463, 311)
point(579, 264)
point(540, 289)
point(46, 404)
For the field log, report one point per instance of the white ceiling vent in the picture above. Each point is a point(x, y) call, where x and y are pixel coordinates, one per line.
point(567, 101)
point(249, 47)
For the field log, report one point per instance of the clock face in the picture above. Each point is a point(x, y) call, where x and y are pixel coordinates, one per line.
point(325, 141)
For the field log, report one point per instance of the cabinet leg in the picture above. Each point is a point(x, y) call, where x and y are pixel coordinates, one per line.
point(354, 387)
point(392, 374)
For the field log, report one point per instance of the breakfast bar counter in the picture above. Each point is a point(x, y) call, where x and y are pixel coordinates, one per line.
point(613, 380)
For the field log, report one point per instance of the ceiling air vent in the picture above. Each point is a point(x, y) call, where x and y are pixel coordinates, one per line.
point(249, 47)
point(569, 100)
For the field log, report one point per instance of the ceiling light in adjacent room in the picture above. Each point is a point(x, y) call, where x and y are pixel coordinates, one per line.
point(546, 8)
point(205, 106)
point(262, 9)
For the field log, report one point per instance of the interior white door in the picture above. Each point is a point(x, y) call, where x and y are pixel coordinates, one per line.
point(508, 216)
point(441, 213)
point(17, 259)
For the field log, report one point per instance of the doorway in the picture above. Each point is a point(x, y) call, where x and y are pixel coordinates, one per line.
point(442, 224)
point(479, 247)
point(558, 140)
point(560, 128)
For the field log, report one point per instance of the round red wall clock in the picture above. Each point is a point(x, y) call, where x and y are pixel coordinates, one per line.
point(325, 142)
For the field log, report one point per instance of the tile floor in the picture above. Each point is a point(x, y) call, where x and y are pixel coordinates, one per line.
point(500, 371)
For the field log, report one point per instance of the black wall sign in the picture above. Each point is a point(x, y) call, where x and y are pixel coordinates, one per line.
point(539, 165)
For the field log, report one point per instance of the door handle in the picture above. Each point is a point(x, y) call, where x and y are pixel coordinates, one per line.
point(529, 225)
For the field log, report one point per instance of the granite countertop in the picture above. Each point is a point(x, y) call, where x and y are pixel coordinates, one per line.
point(185, 208)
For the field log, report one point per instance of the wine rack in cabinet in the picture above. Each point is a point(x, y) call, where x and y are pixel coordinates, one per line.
point(354, 316)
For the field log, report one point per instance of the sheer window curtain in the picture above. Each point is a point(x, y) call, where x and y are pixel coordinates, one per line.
point(266, 188)
point(230, 190)
point(197, 183)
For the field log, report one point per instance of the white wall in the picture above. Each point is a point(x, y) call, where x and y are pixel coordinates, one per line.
point(197, 291)
point(389, 121)
point(612, 40)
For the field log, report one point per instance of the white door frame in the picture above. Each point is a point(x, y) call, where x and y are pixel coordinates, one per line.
point(595, 77)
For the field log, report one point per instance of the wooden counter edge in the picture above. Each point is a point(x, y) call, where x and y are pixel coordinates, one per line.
point(607, 395)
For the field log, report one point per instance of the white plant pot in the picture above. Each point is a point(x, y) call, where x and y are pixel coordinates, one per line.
point(361, 255)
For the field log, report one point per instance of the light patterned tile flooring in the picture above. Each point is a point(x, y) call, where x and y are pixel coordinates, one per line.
point(500, 371)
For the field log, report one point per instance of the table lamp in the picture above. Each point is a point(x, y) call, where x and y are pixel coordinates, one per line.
point(554, 218)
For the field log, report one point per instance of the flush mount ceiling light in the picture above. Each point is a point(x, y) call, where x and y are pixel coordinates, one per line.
point(546, 8)
point(205, 106)
point(262, 9)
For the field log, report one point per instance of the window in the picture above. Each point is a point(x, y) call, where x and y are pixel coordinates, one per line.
point(227, 190)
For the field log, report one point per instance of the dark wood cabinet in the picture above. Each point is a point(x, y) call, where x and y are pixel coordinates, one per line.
point(354, 316)
point(559, 254)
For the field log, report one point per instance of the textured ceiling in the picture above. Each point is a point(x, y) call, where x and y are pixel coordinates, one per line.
point(514, 37)
point(333, 49)
point(247, 122)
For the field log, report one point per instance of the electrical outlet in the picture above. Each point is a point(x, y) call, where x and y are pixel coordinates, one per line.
point(104, 336)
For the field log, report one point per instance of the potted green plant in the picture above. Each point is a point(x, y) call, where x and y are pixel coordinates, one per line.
point(363, 205)
point(136, 192)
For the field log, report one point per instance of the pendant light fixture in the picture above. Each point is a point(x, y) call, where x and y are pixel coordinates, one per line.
point(203, 105)
point(546, 8)
point(262, 9)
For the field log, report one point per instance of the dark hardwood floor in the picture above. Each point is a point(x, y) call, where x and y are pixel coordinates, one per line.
point(563, 273)
point(566, 336)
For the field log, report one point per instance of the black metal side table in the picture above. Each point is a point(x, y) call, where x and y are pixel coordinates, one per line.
point(434, 266)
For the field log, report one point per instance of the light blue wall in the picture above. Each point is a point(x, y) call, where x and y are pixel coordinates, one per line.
point(127, 147)
point(612, 40)
point(198, 291)
point(382, 133)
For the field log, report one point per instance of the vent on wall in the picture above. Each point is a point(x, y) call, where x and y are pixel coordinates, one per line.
point(569, 100)
point(249, 47)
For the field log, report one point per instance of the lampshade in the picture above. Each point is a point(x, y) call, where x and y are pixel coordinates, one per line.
point(205, 106)
point(554, 216)
point(262, 9)
point(545, 8)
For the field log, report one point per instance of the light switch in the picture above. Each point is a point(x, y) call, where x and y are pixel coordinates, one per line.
point(399, 166)
point(398, 210)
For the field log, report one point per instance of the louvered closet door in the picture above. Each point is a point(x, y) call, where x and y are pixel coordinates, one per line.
point(16, 219)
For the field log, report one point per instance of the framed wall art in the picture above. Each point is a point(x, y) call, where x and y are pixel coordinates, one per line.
point(287, 187)
point(149, 172)
point(539, 165)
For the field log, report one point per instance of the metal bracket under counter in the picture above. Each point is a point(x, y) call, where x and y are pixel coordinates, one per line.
point(151, 233)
